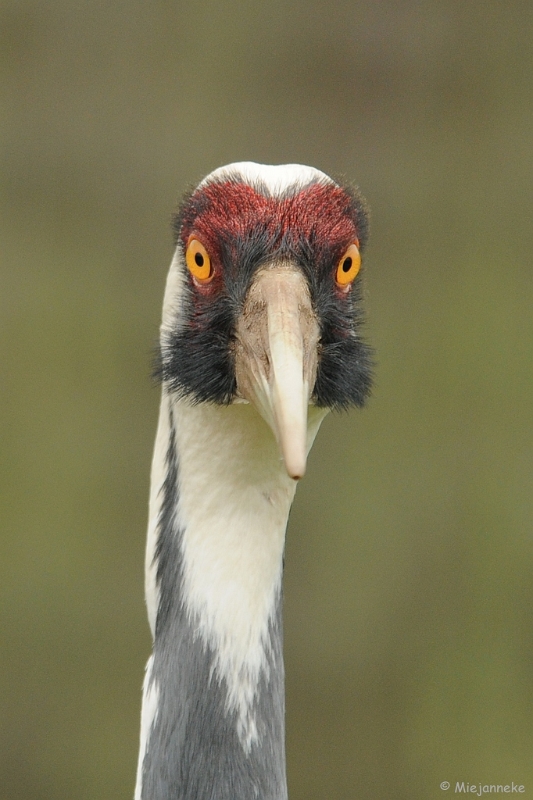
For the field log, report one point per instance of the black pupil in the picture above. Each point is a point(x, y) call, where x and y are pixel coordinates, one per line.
point(346, 264)
point(199, 259)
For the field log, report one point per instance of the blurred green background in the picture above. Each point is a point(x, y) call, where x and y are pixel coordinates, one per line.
point(409, 569)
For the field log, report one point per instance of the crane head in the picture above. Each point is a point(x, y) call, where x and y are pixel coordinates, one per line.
point(263, 300)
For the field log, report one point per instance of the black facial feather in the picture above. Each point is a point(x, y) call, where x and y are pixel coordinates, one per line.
point(344, 372)
point(196, 360)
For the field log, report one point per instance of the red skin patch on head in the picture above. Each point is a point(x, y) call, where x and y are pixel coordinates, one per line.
point(320, 212)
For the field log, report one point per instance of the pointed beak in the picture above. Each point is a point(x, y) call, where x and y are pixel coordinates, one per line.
point(276, 357)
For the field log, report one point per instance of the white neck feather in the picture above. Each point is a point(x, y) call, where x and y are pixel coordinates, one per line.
point(234, 501)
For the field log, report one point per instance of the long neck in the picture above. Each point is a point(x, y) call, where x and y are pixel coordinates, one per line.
point(213, 709)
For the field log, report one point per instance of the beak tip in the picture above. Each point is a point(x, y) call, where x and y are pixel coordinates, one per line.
point(296, 471)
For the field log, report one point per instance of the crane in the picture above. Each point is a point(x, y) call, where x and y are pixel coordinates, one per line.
point(260, 338)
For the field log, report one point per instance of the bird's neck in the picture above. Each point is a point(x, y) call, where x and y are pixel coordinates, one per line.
point(214, 699)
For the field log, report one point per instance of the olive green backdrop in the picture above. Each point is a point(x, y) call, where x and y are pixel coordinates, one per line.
point(409, 563)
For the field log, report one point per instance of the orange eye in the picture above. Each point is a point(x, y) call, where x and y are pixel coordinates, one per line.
point(348, 266)
point(198, 261)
